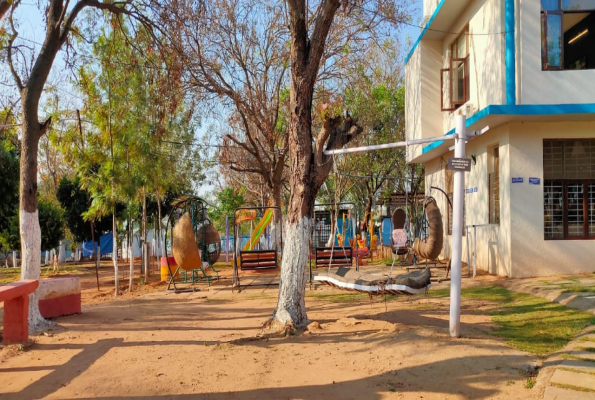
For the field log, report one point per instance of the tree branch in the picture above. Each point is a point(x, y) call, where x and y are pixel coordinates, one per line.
point(4, 6)
point(14, 35)
point(116, 7)
point(322, 25)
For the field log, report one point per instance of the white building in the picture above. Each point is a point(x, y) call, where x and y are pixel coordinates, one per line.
point(526, 69)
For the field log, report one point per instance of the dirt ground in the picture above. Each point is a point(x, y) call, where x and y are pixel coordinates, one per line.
point(155, 345)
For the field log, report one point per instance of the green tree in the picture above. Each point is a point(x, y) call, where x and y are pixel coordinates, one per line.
point(75, 202)
point(227, 201)
point(30, 73)
point(51, 223)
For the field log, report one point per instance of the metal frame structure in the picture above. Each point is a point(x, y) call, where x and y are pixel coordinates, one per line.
point(198, 215)
point(460, 136)
point(333, 205)
point(236, 283)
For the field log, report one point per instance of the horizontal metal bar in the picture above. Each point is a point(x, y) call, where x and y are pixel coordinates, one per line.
point(389, 145)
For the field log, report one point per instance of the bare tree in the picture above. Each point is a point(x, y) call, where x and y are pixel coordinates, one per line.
point(236, 59)
point(309, 166)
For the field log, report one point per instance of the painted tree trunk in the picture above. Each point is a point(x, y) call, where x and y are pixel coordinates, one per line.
point(144, 241)
point(291, 307)
point(29, 228)
point(130, 254)
point(115, 255)
point(14, 259)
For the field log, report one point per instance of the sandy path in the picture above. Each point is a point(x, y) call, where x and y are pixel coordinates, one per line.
point(162, 346)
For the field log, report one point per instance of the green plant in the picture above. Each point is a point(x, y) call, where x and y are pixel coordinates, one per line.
point(530, 383)
point(527, 322)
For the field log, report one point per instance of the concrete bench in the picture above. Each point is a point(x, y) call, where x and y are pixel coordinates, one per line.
point(59, 296)
point(16, 310)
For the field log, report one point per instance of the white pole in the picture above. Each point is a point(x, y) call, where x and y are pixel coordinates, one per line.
point(457, 232)
point(406, 143)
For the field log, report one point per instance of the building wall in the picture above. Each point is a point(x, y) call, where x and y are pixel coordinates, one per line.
point(428, 8)
point(531, 254)
point(422, 93)
point(546, 87)
point(487, 75)
point(493, 242)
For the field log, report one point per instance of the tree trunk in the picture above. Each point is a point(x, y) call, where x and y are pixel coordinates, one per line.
point(131, 253)
point(275, 232)
point(95, 252)
point(158, 252)
point(115, 255)
point(144, 238)
point(291, 308)
point(30, 230)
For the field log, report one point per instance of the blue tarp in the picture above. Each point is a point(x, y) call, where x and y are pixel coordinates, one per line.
point(89, 249)
point(106, 244)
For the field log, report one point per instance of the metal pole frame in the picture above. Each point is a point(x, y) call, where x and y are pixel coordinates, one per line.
point(312, 233)
point(176, 206)
point(236, 271)
point(460, 136)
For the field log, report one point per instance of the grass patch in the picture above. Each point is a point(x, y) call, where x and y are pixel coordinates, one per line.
point(572, 387)
point(351, 297)
point(530, 383)
point(8, 275)
point(339, 297)
point(578, 289)
point(567, 356)
point(587, 349)
point(576, 370)
point(527, 322)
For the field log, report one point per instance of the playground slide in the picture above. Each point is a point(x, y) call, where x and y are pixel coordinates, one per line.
point(266, 219)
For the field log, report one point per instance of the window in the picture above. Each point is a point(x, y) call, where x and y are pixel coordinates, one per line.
point(454, 80)
point(494, 186)
point(569, 189)
point(567, 34)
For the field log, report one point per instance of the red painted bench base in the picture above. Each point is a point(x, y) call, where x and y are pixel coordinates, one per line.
point(59, 306)
point(16, 310)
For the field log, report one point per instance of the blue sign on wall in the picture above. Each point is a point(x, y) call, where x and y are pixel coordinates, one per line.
point(534, 181)
point(517, 180)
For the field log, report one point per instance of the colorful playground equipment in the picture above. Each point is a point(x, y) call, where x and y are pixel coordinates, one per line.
point(194, 243)
point(262, 250)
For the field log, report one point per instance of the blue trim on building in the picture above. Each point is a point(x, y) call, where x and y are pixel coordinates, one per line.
point(521, 109)
point(510, 52)
point(423, 32)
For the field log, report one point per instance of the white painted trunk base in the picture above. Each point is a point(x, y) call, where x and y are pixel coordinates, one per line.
point(115, 257)
point(291, 307)
point(131, 259)
point(31, 264)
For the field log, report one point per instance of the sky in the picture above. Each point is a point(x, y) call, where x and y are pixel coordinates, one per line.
point(31, 31)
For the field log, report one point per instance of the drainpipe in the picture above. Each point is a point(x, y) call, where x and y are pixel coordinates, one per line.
point(510, 62)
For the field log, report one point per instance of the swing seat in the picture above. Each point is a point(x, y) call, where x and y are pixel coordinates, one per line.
point(251, 260)
point(326, 256)
point(415, 282)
